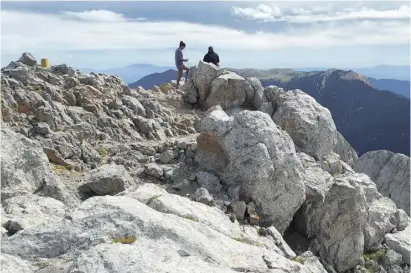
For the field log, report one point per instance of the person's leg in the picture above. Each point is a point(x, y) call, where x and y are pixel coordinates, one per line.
point(187, 70)
point(179, 74)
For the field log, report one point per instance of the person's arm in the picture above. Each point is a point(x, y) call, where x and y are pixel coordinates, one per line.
point(180, 56)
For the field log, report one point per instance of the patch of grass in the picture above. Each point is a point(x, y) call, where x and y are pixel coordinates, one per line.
point(151, 199)
point(60, 169)
point(247, 241)
point(375, 256)
point(125, 240)
point(39, 90)
point(103, 152)
point(299, 259)
point(188, 217)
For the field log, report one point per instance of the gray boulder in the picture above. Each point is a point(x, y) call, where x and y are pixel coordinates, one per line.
point(228, 90)
point(203, 196)
point(250, 150)
point(186, 244)
point(108, 179)
point(208, 181)
point(400, 243)
point(27, 211)
point(152, 169)
point(135, 105)
point(205, 73)
point(308, 123)
point(335, 225)
point(24, 169)
point(166, 156)
point(28, 59)
point(391, 174)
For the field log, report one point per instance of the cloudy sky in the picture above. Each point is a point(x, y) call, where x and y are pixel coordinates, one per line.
point(244, 34)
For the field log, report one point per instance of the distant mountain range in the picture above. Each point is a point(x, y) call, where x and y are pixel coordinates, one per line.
point(130, 73)
point(135, 72)
point(395, 72)
point(369, 119)
point(396, 86)
point(149, 81)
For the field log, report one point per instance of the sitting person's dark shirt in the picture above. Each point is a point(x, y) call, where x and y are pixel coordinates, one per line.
point(211, 57)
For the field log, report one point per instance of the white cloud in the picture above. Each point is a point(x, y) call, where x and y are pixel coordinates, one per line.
point(26, 31)
point(326, 13)
point(97, 16)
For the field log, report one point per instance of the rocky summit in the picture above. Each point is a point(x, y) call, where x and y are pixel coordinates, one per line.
point(221, 175)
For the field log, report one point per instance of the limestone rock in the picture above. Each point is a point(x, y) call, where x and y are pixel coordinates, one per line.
point(203, 196)
point(308, 123)
point(228, 90)
point(391, 174)
point(27, 211)
point(400, 243)
point(166, 156)
point(108, 179)
point(28, 59)
point(205, 73)
point(250, 150)
point(208, 181)
point(13, 264)
point(152, 169)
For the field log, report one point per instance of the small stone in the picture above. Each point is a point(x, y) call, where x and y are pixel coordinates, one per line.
point(254, 219)
point(402, 219)
point(203, 196)
point(43, 128)
point(181, 145)
point(166, 157)
point(208, 181)
point(391, 258)
point(238, 208)
point(168, 175)
point(182, 185)
point(232, 218)
point(152, 169)
point(189, 160)
point(183, 253)
point(192, 177)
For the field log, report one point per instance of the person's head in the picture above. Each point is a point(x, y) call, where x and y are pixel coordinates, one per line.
point(210, 49)
point(182, 45)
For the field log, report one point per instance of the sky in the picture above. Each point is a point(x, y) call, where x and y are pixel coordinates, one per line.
point(245, 34)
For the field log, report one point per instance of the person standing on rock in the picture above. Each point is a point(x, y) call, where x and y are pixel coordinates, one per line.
point(180, 62)
point(211, 57)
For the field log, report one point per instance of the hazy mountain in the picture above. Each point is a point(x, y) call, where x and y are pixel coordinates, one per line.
point(395, 72)
point(369, 119)
point(396, 86)
point(149, 81)
point(130, 73)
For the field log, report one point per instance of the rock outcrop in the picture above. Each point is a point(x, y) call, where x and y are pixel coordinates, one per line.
point(391, 174)
point(98, 177)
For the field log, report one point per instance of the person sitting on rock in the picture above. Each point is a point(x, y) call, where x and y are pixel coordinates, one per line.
point(180, 62)
point(211, 57)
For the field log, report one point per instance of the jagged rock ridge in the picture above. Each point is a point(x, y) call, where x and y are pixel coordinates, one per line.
point(97, 177)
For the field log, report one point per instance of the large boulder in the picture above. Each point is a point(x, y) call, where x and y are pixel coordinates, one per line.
point(400, 243)
point(205, 73)
point(27, 211)
point(308, 123)
point(28, 59)
point(102, 229)
point(391, 174)
point(335, 224)
point(228, 90)
point(24, 169)
point(249, 150)
point(108, 179)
